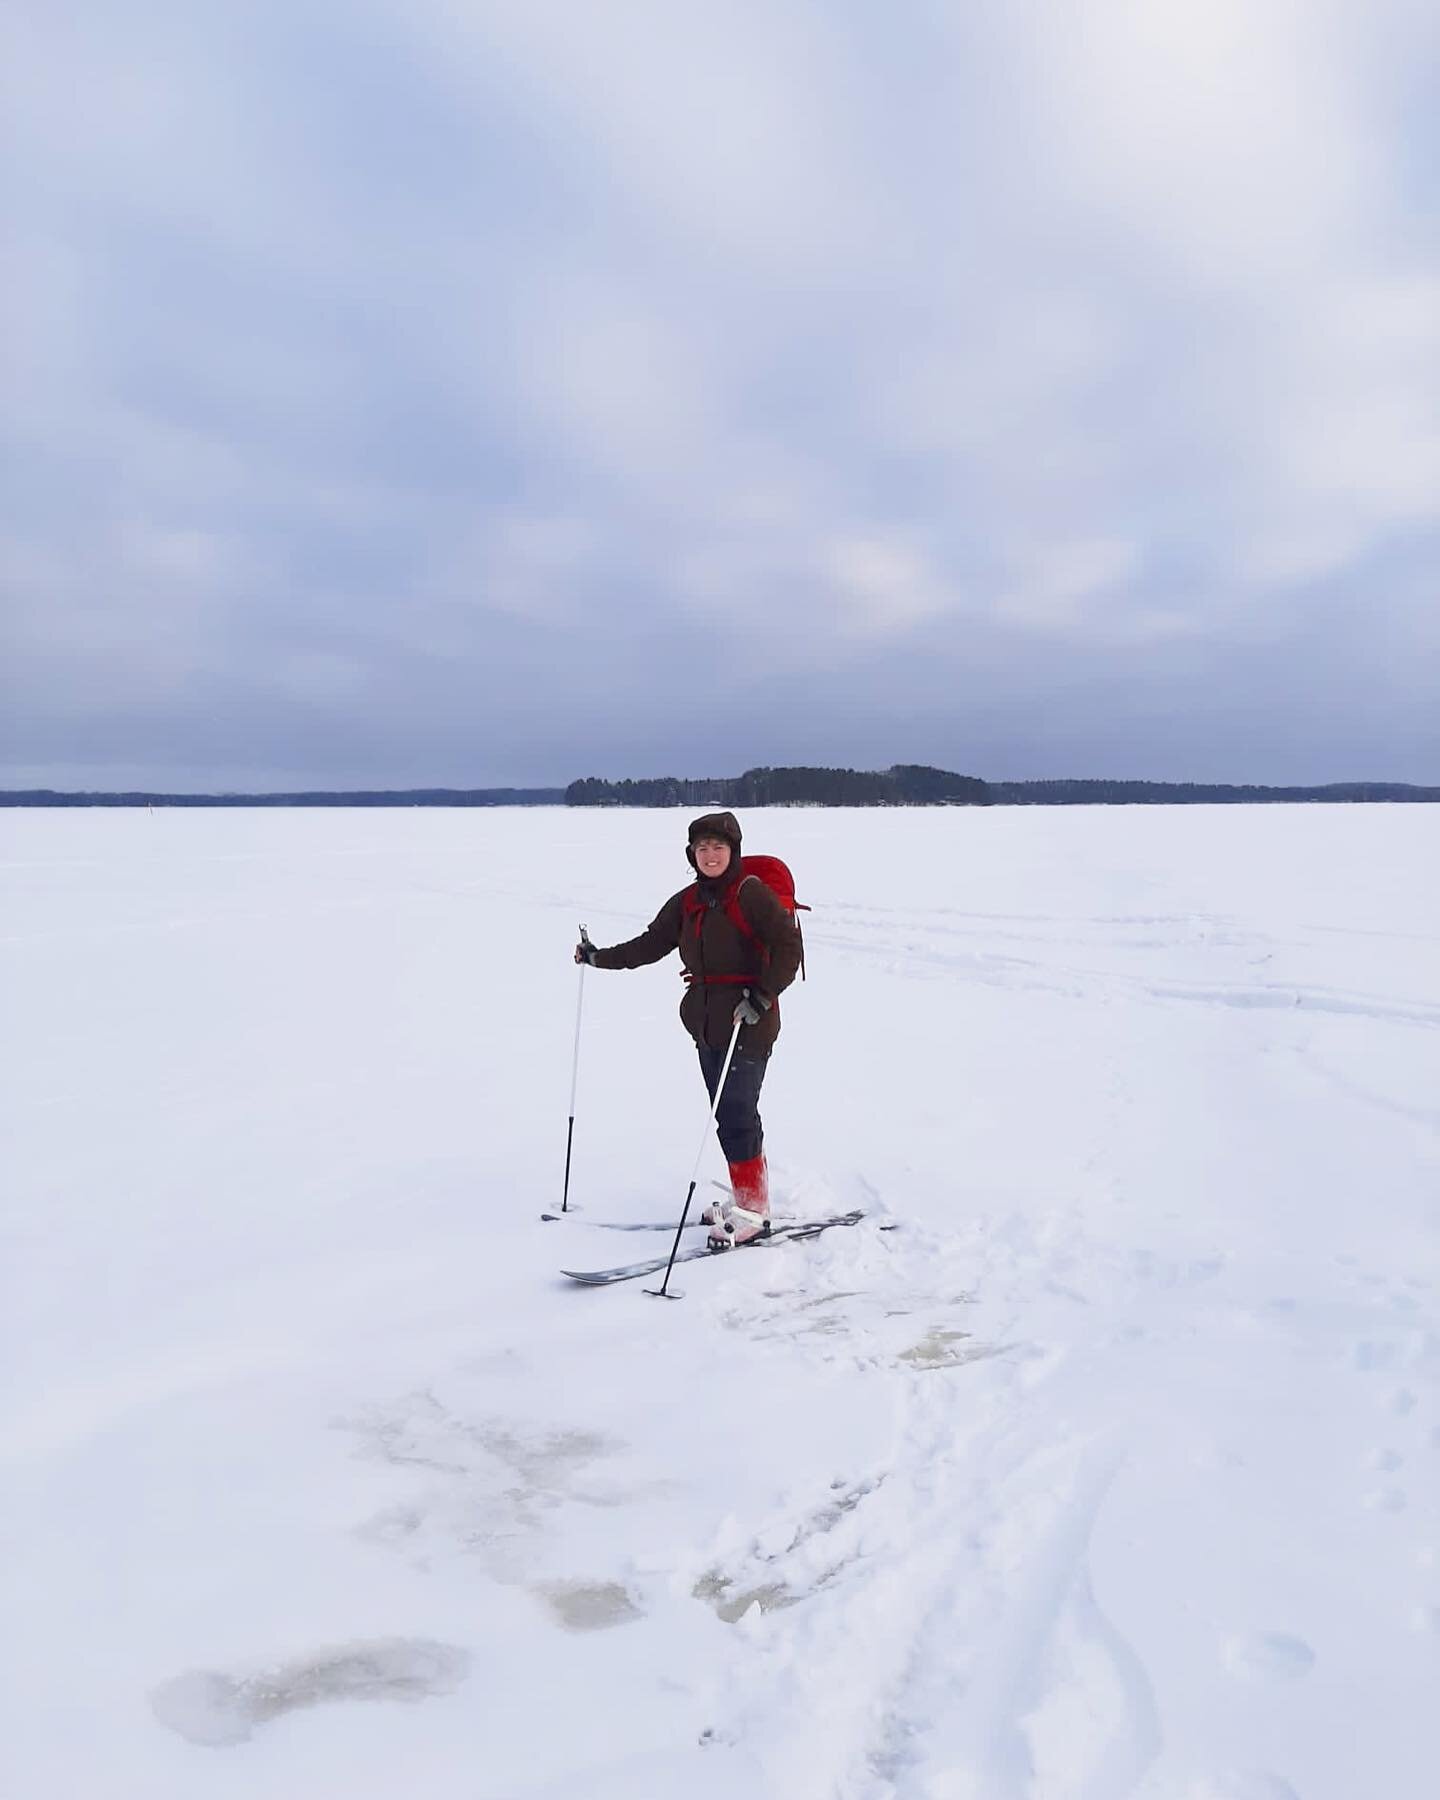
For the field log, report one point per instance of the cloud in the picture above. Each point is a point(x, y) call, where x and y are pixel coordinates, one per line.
point(1059, 584)
point(396, 382)
point(888, 586)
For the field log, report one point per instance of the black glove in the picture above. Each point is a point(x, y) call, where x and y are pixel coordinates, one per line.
point(752, 1007)
point(585, 952)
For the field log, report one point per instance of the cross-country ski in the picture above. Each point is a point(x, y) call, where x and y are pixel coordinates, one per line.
point(655, 1224)
point(778, 1234)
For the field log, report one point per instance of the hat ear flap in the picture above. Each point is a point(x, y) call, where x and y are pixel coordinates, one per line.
point(690, 856)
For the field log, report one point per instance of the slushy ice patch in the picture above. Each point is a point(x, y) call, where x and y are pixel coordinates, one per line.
point(207, 1707)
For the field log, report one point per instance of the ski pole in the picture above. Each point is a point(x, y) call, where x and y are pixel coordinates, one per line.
point(574, 1076)
point(662, 1292)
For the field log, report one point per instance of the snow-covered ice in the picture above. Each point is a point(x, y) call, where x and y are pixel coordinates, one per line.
point(1112, 1470)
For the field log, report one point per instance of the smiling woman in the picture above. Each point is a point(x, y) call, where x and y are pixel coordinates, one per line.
point(740, 948)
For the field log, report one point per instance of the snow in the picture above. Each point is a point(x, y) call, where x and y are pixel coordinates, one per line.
point(1110, 1471)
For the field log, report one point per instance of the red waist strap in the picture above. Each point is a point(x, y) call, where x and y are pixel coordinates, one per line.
point(722, 980)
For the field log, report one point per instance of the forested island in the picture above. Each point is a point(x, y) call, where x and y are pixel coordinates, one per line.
point(915, 784)
point(906, 784)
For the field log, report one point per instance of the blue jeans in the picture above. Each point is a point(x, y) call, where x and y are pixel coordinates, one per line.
point(737, 1119)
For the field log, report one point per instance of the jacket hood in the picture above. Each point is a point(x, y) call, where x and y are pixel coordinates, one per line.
point(717, 825)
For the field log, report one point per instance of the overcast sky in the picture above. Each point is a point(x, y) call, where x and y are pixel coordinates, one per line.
point(500, 391)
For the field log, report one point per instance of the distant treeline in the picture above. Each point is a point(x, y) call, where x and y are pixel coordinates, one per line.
point(356, 797)
point(911, 784)
point(1194, 793)
point(907, 784)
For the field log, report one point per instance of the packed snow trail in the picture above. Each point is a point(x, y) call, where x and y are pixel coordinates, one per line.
point(1112, 1473)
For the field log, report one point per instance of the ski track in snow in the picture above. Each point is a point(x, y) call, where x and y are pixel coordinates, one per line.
point(1110, 1473)
point(971, 1642)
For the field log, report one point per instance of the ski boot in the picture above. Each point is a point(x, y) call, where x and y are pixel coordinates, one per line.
point(747, 1217)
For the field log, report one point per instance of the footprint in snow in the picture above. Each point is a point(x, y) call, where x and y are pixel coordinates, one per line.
point(731, 1603)
point(942, 1349)
point(788, 1562)
point(207, 1707)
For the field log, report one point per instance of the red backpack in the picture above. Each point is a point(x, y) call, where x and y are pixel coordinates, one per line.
point(777, 877)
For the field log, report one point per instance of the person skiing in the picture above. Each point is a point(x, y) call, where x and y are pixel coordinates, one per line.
point(731, 975)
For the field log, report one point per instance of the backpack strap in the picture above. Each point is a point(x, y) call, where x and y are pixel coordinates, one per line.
point(737, 918)
point(735, 913)
point(693, 907)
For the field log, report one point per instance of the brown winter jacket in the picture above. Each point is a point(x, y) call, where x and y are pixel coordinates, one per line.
point(711, 944)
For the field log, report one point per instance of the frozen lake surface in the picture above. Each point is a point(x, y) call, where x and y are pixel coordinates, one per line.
point(1112, 1471)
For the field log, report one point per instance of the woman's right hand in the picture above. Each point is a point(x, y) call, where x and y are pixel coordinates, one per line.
point(585, 952)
